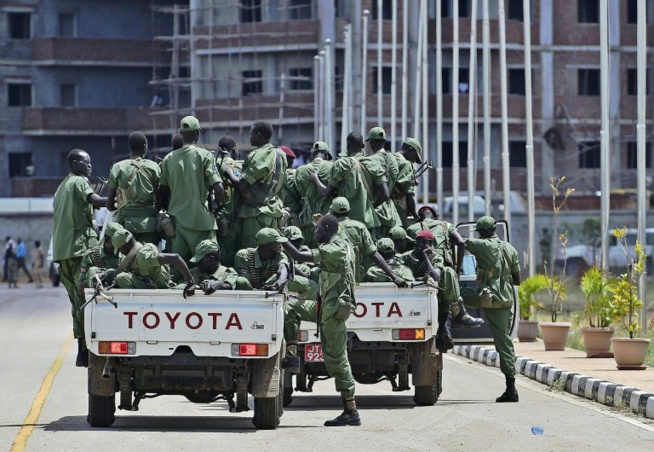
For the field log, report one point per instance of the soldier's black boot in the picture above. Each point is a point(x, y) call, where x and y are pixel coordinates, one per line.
point(82, 359)
point(444, 340)
point(349, 416)
point(291, 361)
point(511, 394)
point(461, 317)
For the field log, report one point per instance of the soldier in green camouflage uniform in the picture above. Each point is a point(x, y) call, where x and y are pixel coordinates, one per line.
point(302, 283)
point(404, 192)
point(336, 259)
point(188, 175)
point(425, 262)
point(227, 221)
point(402, 242)
point(148, 267)
point(386, 248)
point(266, 267)
point(313, 201)
point(289, 195)
point(95, 261)
point(210, 275)
point(73, 234)
point(364, 247)
point(132, 187)
point(259, 185)
point(381, 172)
point(346, 179)
point(498, 271)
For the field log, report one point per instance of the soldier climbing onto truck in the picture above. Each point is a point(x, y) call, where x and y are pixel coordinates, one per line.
point(334, 306)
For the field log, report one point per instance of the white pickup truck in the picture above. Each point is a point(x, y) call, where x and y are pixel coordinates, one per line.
point(222, 346)
point(390, 336)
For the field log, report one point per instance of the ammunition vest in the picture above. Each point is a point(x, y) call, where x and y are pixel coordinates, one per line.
point(255, 273)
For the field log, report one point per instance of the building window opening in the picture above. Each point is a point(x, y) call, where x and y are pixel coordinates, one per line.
point(20, 25)
point(250, 11)
point(588, 82)
point(19, 95)
point(252, 82)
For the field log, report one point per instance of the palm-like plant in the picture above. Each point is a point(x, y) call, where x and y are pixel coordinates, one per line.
point(527, 291)
point(597, 286)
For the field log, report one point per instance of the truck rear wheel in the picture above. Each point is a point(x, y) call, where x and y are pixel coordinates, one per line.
point(428, 395)
point(266, 413)
point(101, 411)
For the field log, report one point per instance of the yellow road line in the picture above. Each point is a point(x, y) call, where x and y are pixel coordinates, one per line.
point(20, 442)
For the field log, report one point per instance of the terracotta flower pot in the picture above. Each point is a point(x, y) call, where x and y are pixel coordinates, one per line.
point(555, 334)
point(597, 341)
point(527, 331)
point(630, 353)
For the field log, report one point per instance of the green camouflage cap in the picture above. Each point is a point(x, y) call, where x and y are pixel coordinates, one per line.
point(485, 222)
point(340, 205)
point(385, 245)
point(120, 237)
point(319, 146)
point(269, 235)
point(189, 123)
point(415, 144)
point(111, 228)
point(398, 233)
point(293, 233)
point(376, 133)
point(204, 247)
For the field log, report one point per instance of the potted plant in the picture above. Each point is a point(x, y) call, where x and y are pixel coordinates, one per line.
point(555, 335)
point(629, 352)
point(528, 329)
point(596, 284)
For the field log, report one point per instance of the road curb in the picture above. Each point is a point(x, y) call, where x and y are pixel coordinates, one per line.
point(595, 389)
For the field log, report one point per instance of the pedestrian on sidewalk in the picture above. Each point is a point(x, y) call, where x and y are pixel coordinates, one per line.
point(38, 264)
point(21, 254)
point(498, 270)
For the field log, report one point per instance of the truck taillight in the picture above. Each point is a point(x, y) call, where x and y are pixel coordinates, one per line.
point(249, 349)
point(303, 336)
point(116, 348)
point(409, 334)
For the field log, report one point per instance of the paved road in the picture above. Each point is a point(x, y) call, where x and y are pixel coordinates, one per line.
point(35, 330)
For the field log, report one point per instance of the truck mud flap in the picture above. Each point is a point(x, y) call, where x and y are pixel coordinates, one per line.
point(426, 363)
point(266, 376)
point(99, 386)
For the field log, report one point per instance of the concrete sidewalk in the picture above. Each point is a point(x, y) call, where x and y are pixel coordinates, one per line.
point(595, 379)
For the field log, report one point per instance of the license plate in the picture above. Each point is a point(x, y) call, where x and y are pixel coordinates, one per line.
point(313, 353)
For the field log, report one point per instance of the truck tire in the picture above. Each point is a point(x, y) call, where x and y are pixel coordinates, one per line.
point(266, 413)
point(428, 395)
point(101, 411)
point(288, 388)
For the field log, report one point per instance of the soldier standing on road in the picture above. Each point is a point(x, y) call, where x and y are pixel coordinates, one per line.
point(73, 234)
point(498, 270)
point(188, 175)
point(336, 260)
point(132, 187)
point(210, 274)
point(404, 192)
point(259, 185)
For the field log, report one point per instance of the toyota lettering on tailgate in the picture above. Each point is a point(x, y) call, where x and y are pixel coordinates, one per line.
point(378, 309)
point(192, 320)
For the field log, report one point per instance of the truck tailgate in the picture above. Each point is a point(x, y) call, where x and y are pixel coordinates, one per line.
point(383, 307)
point(157, 322)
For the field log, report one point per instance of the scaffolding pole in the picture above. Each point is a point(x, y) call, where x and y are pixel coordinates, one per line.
point(472, 105)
